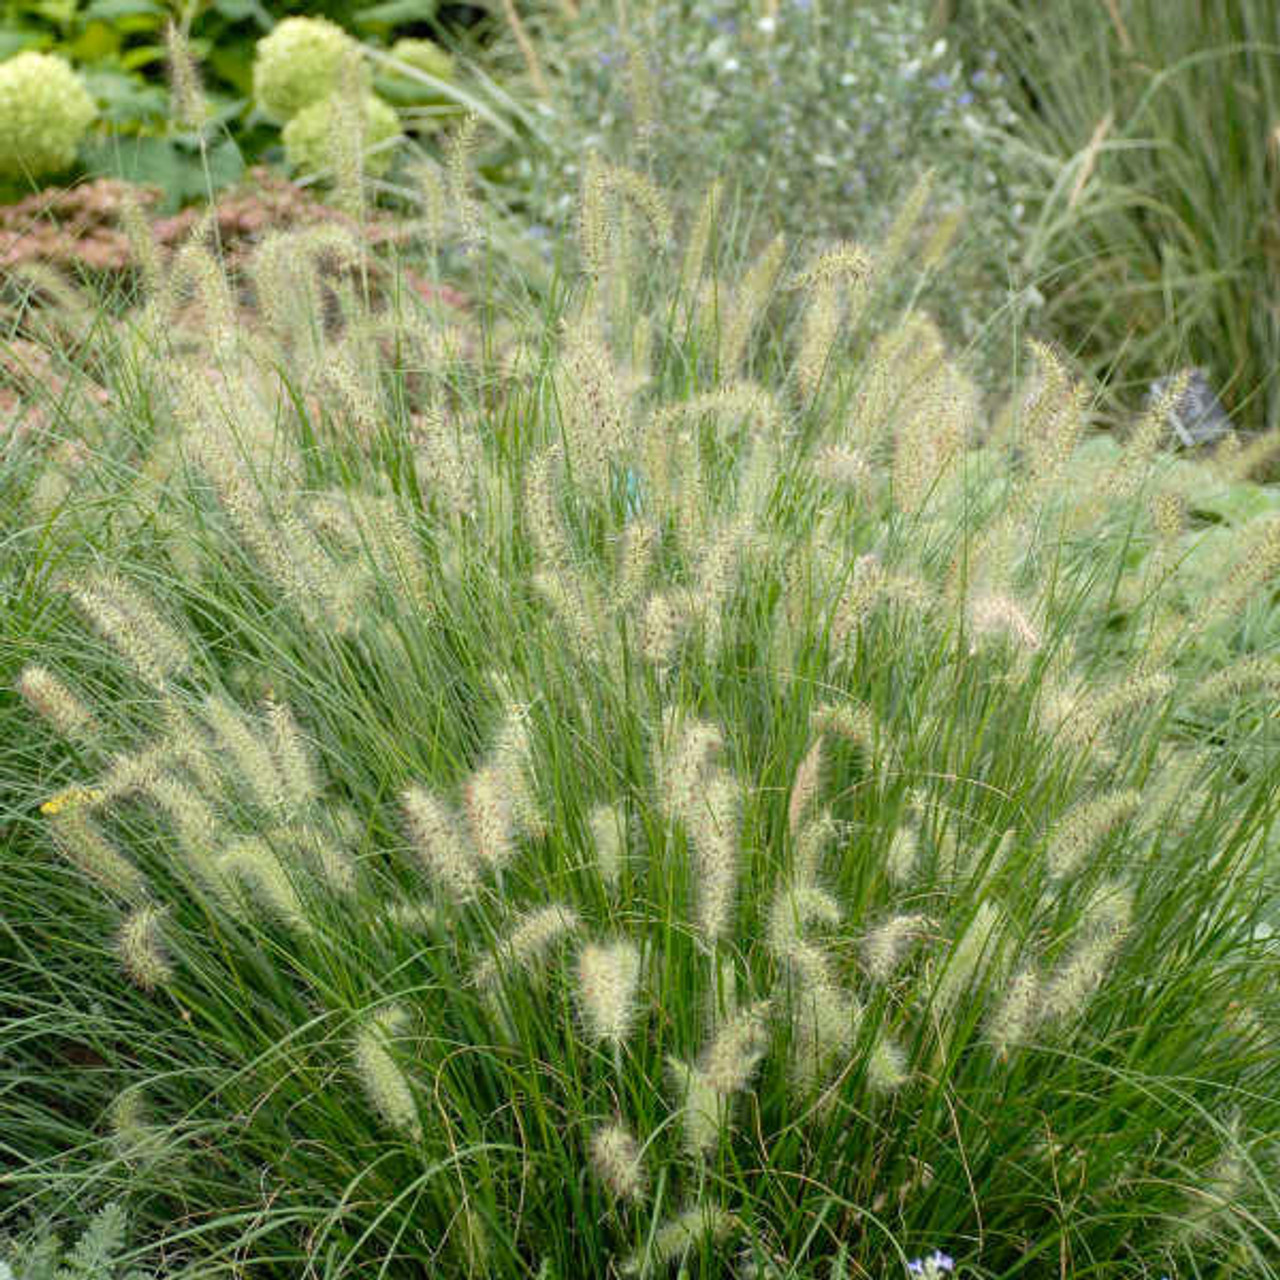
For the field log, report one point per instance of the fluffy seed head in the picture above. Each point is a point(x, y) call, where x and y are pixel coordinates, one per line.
point(729, 1062)
point(714, 820)
point(254, 861)
point(1080, 721)
point(195, 822)
point(133, 627)
point(824, 1016)
point(1258, 671)
point(677, 1236)
point(821, 325)
point(293, 761)
point(995, 614)
point(1068, 991)
point(695, 254)
point(886, 1066)
point(1014, 1018)
point(344, 134)
point(487, 797)
point(844, 468)
point(885, 947)
point(1109, 910)
point(1053, 417)
point(134, 1138)
point(608, 977)
point(639, 545)
point(526, 945)
point(615, 1157)
point(1125, 479)
point(1219, 1191)
point(794, 908)
point(384, 1082)
point(83, 845)
point(245, 754)
point(459, 149)
point(748, 306)
point(607, 824)
point(905, 220)
point(323, 851)
point(805, 787)
point(186, 94)
point(702, 1109)
point(603, 183)
point(141, 950)
point(1258, 563)
point(903, 854)
point(542, 508)
point(718, 569)
point(447, 459)
point(815, 838)
point(574, 601)
point(593, 407)
point(851, 721)
point(666, 620)
point(1085, 827)
point(512, 757)
point(694, 748)
point(440, 843)
point(54, 703)
point(974, 953)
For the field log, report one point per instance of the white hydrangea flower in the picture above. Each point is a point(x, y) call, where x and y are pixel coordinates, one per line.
point(44, 112)
point(298, 64)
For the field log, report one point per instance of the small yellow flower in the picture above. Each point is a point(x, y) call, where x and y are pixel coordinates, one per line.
point(68, 797)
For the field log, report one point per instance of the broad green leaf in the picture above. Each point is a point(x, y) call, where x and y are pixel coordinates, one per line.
point(232, 62)
point(59, 12)
point(124, 99)
point(395, 13)
point(243, 11)
point(113, 10)
point(17, 39)
point(146, 55)
point(98, 40)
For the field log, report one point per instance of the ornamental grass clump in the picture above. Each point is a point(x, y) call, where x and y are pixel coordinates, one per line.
point(620, 844)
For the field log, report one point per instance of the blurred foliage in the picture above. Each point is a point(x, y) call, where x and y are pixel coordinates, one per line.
point(1146, 148)
point(118, 48)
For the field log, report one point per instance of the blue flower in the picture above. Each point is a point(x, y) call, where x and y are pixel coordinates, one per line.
point(932, 1266)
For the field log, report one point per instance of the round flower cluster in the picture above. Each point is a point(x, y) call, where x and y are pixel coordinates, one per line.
point(308, 137)
point(425, 56)
point(298, 64)
point(44, 112)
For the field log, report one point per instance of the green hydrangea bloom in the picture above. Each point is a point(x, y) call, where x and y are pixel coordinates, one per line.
point(298, 64)
point(308, 137)
point(44, 112)
point(426, 56)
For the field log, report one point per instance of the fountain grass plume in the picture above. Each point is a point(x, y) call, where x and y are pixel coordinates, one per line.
point(608, 977)
point(385, 1083)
